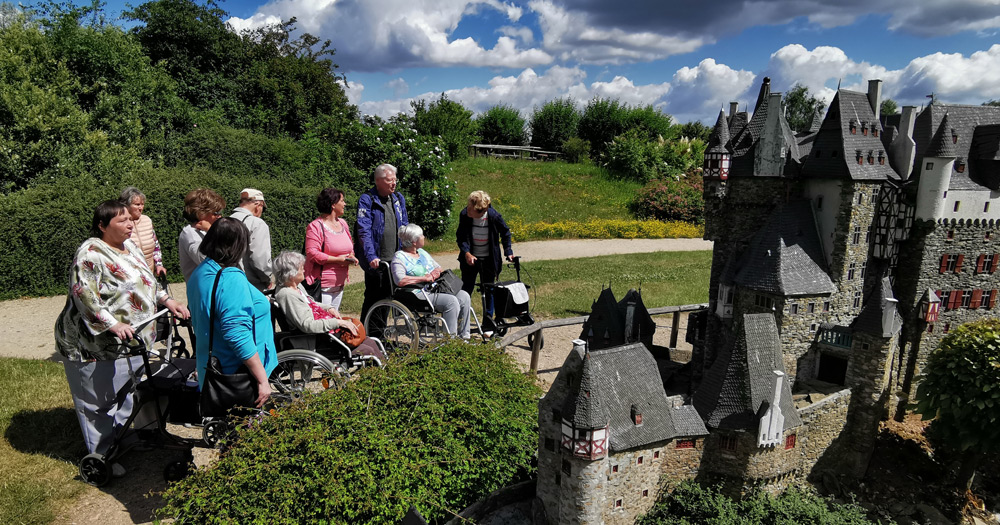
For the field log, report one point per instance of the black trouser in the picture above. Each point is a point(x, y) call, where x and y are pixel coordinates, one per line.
point(485, 269)
point(376, 289)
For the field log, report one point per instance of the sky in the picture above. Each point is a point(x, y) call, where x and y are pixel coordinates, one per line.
point(686, 58)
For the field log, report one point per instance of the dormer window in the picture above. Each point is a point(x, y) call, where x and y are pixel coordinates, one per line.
point(864, 128)
point(881, 157)
point(954, 136)
point(960, 165)
point(854, 127)
point(871, 157)
point(874, 131)
point(859, 156)
point(636, 416)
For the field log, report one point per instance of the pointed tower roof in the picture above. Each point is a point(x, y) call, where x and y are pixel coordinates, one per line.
point(719, 141)
point(941, 145)
point(765, 92)
point(879, 312)
point(584, 407)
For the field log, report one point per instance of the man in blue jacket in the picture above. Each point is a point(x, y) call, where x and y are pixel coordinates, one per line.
point(375, 231)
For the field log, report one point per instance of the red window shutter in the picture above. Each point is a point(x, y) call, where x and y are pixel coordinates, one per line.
point(979, 263)
point(955, 299)
point(944, 263)
point(993, 298)
point(977, 297)
point(993, 267)
point(958, 265)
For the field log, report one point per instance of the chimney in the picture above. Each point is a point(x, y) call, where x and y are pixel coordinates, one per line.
point(889, 317)
point(903, 151)
point(580, 345)
point(906, 121)
point(875, 97)
point(733, 107)
point(772, 424)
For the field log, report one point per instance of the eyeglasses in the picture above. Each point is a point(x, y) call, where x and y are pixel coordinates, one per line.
point(217, 213)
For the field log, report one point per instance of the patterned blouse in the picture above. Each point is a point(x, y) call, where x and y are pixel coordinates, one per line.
point(106, 287)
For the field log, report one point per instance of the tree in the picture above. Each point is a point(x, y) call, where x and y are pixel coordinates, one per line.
point(801, 107)
point(449, 120)
point(992, 102)
point(960, 387)
point(695, 130)
point(603, 119)
point(888, 107)
point(554, 123)
point(502, 124)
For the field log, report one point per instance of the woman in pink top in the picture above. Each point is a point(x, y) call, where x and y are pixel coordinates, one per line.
point(329, 247)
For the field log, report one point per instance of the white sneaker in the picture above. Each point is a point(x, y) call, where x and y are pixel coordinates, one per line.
point(117, 470)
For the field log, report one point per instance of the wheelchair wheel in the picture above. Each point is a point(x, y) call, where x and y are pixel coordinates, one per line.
point(300, 371)
point(393, 324)
point(94, 470)
point(215, 431)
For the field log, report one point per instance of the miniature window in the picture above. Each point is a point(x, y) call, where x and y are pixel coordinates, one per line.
point(819, 202)
point(826, 306)
point(645, 493)
point(861, 197)
point(929, 166)
point(850, 271)
point(811, 308)
point(859, 156)
point(986, 208)
point(656, 454)
point(567, 468)
point(558, 479)
point(950, 235)
point(954, 136)
point(854, 128)
point(989, 296)
point(760, 300)
point(930, 328)
point(947, 328)
point(945, 296)
point(864, 128)
point(966, 298)
point(874, 131)
point(790, 441)
point(856, 236)
point(614, 469)
point(685, 443)
point(638, 460)
point(550, 444)
point(728, 442)
point(618, 503)
point(988, 260)
point(875, 196)
point(864, 269)
point(857, 299)
point(945, 196)
point(881, 157)
point(556, 415)
point(871, 157)
point(865, 346)
point(868, 234)
point(988, 235)
point(960, 165)
point(957, 205)
point(812, 327)
point(794, 308)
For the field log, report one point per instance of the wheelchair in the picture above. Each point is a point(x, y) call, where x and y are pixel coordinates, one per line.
point(313, 362)
point(406, 319)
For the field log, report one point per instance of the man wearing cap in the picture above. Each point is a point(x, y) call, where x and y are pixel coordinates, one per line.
point(375, 231)
point(257, 261)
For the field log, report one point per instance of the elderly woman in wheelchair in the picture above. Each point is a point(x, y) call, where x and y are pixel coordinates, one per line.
point(300, 312)
point(414, 270)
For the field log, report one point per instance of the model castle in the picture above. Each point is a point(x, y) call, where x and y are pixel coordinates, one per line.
point(841, 257)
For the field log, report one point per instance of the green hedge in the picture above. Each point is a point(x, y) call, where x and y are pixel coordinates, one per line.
point(439, 429)
point(43, 225)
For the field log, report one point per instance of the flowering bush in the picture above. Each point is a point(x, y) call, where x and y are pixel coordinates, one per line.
point(604, 229)
point(420, 163)
point(672, 200)
point(633, 156)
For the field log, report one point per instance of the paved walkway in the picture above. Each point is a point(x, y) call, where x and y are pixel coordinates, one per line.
point(26, 324)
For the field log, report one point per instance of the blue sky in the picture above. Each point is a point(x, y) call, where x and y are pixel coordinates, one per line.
point(687, 58)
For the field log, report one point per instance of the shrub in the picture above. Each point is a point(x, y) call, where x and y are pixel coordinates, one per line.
point(438, 429)
point(691, 504)
point(672, 200)
point(448, 120)
point(420, 161)
point(575, 149)
point(633, 156)
point(602, 121)
point(501, 125)
point(604, 229)
point(554, 124)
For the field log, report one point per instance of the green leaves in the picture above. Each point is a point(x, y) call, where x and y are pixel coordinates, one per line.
point(439, 429)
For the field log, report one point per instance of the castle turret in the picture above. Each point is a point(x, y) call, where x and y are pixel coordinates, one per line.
point(935, 174)
point(717, 153)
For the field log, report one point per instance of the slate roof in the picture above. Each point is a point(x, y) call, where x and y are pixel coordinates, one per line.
point(941, 144)
point(737, 390)
point(964, 120)
point(642, 324)
point(604, 323)
point(870, 318)
point(834, 151)
point(744, 140)
point(619, 378)
point(718, 142)
point(785, 256)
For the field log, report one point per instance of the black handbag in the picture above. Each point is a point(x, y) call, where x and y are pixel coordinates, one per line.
point(223, 392)
point(448, 282)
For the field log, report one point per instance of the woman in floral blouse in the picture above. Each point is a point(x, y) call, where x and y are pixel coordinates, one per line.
point(112, 290)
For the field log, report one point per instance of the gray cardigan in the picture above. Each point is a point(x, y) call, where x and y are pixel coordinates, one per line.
point(296, 308)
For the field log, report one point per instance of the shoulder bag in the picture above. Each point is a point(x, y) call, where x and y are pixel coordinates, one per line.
point(222, 392)
point(448, 282)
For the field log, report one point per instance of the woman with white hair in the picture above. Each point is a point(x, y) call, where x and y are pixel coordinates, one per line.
point(413, 265)
point(299, 307)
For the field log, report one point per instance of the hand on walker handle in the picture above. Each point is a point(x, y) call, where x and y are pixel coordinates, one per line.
point(373, 264)
point(122, 331)
point(470, 259)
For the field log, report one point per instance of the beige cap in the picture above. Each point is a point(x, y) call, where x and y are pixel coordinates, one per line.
point(252, 194)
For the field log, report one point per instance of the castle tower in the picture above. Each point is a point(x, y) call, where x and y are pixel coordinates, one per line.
point(935, 175)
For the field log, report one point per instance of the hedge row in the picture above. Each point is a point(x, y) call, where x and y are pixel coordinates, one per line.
point(605, 229)
point(43, 225)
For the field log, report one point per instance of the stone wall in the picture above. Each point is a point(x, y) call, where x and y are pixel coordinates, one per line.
point(636, 484)
point(824, 422)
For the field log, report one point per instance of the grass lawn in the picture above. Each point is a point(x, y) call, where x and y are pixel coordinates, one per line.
point(567, 287)
point(538, 192)
point(41, 441)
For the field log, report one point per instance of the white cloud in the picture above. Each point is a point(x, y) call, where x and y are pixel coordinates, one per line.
point(374, 35)
point(398, 86)
point(525, 34)
point(700, 92)
point(354, 91)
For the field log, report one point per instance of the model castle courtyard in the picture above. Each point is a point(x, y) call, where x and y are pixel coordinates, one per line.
point(842, 255)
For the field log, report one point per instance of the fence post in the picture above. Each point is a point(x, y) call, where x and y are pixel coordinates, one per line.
point(536, 349)
point(675, 325)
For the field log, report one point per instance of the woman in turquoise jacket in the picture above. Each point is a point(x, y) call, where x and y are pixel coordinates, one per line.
point(242, 333)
